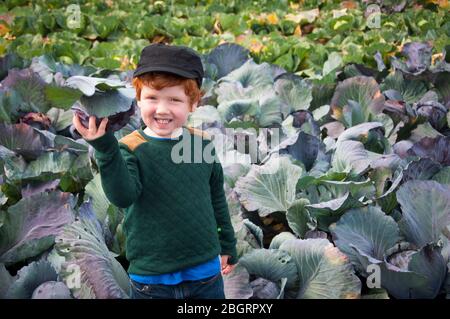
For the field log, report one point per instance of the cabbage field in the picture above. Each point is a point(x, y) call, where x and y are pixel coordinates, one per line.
point(353, 199)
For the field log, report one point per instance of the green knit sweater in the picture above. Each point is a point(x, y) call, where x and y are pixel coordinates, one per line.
point(176, 213)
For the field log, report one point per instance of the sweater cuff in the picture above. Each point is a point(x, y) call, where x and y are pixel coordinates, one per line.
point(233, 255)
point(106, 143)
point(233, 260)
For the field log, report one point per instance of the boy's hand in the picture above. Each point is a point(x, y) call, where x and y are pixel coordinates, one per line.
point(226, 268)
point(92, 132)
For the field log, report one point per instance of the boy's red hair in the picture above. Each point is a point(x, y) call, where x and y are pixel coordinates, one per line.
point(160, 80)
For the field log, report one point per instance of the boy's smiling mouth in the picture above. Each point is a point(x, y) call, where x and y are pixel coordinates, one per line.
point(162, 121)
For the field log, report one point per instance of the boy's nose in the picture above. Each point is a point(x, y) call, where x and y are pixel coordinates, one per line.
point(162, 108)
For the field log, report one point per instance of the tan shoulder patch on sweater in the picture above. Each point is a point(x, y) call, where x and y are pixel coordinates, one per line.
point(198, 132)
point(133, 140)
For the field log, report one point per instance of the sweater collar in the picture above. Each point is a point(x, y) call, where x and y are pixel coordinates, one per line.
point(161, 139)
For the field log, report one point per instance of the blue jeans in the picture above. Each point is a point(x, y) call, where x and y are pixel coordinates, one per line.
point(208, 288)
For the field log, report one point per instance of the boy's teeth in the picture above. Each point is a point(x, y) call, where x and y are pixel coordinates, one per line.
point(163, 121)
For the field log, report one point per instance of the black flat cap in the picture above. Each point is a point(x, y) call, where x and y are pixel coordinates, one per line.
point(179, 60)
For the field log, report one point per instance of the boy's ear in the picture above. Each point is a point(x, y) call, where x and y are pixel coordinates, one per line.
point(138, 103)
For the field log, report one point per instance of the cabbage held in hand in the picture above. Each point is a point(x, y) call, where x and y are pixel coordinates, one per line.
point(103, 98)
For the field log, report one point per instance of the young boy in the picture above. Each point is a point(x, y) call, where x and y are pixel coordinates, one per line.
point(179, 237)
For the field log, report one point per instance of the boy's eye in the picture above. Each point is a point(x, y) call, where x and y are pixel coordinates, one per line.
point(175, 100)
